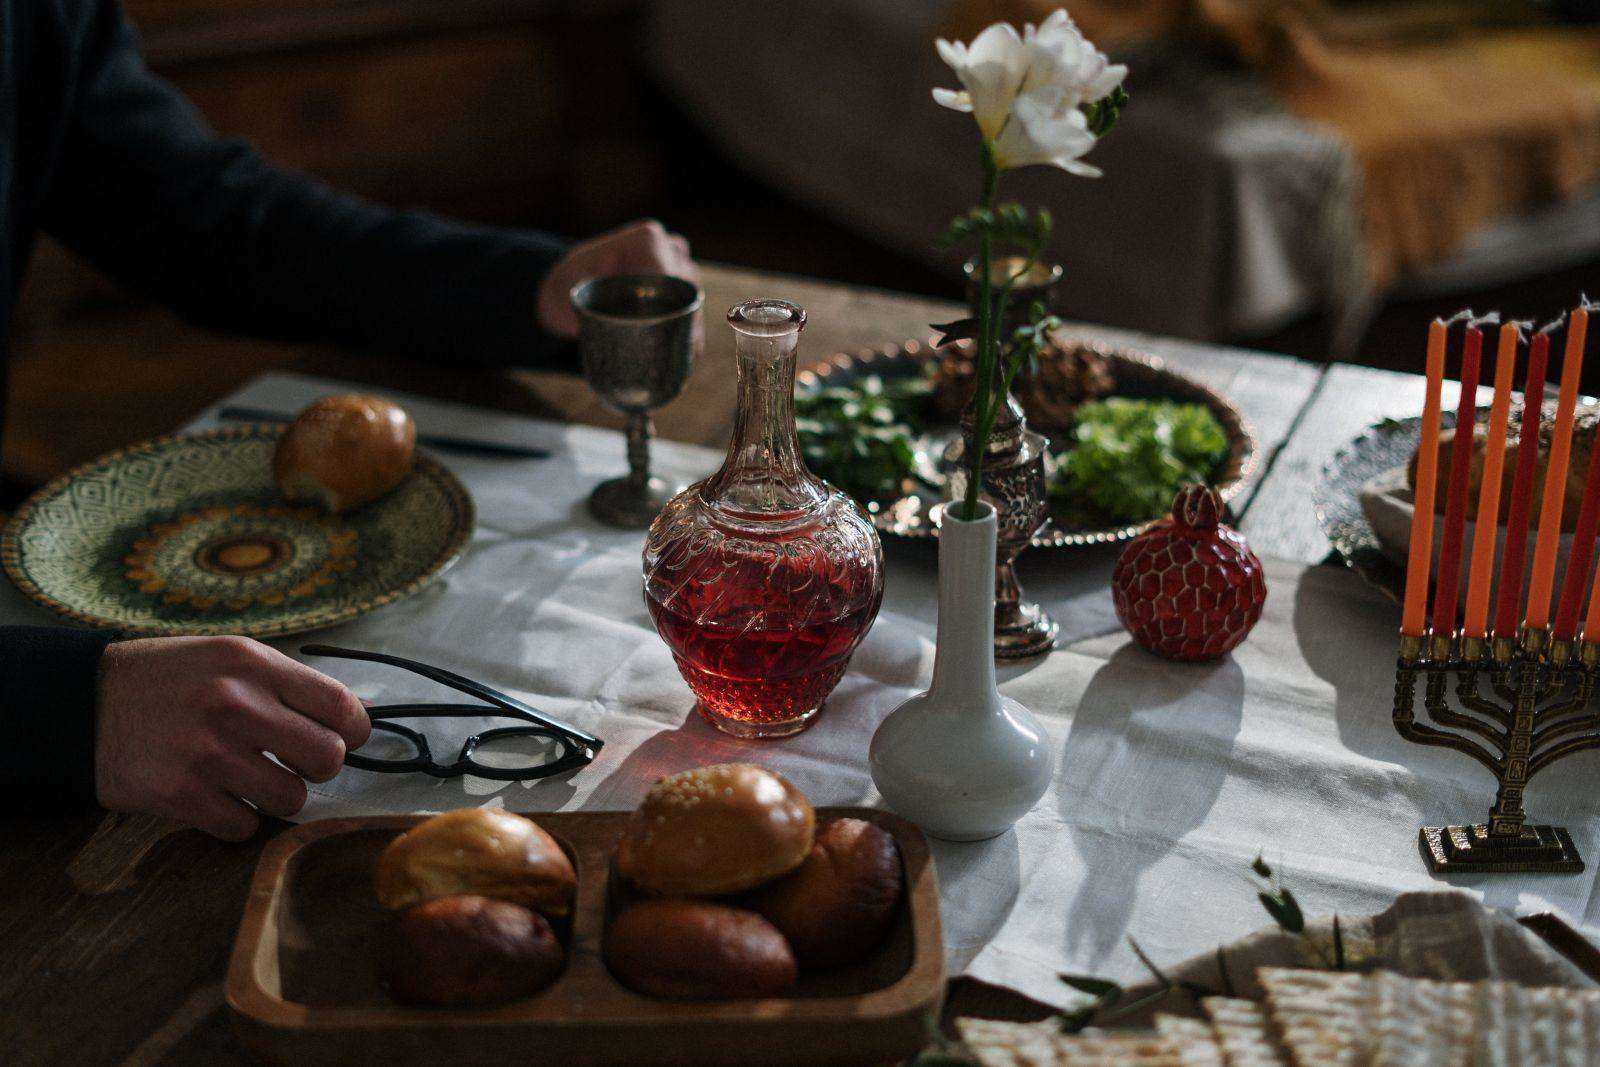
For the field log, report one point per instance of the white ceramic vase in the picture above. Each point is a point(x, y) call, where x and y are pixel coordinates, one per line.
point(962, 761)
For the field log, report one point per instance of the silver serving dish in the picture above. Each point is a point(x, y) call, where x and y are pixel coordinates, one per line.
point(1337, 499)
point(1137, 374)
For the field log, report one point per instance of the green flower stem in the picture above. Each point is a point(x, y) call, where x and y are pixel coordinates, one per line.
point(987, 328)
point(991, 319)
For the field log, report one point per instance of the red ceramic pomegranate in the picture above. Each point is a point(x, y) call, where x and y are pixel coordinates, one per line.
point(1189, 588)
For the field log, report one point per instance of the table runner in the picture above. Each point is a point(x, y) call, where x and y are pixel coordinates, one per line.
point(1170, 777)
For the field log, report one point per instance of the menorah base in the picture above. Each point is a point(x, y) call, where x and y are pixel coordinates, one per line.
point(1472, 850)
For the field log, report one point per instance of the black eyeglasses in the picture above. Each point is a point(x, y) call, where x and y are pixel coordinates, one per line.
point(572, 747)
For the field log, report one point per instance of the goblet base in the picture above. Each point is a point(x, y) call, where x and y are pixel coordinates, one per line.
point(759, 730)
point(1022, 630)
point(629, 504)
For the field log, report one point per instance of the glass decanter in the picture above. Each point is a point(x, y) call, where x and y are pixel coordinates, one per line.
point(762, 578)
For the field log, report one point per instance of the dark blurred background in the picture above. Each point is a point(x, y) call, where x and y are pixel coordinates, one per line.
point(799, 137)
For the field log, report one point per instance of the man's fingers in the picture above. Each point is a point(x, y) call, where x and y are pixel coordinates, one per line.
point(323, 699)
point(310, 749)
point(263, 783)
point(221, 815)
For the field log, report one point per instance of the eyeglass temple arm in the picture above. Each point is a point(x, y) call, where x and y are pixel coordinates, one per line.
point(456, 682)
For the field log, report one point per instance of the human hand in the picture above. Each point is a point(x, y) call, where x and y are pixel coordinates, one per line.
point(183, 723)
point(643, 247)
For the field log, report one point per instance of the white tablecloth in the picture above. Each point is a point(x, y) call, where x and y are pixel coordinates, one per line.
point(1170, 778)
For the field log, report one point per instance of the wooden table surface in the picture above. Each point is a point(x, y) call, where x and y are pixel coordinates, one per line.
point(115, 930)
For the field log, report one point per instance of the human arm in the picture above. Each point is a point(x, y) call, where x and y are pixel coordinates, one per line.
point(145, 190)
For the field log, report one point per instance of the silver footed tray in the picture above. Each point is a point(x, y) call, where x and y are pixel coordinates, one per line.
point(1136, 375)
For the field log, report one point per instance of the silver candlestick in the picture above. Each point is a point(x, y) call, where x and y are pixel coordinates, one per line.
point(1013, 473)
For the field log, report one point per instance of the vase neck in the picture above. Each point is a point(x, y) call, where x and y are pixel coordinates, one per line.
point(964, 659)
point(763, 475)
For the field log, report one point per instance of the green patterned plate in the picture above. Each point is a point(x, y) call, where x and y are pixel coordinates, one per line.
point(188, 535)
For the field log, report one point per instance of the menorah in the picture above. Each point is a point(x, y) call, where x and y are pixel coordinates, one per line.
point(1516, 697)
point(1521, 705)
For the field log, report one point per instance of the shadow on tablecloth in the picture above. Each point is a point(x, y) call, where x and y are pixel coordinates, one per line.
point(1165, 776)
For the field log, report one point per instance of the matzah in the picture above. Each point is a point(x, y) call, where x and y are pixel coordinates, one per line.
point(1044, 1044)
point(1322, 1017)
point(1192, 1039)
point(1243, 1032)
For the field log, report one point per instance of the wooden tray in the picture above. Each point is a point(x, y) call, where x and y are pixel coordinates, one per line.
point(302, 985)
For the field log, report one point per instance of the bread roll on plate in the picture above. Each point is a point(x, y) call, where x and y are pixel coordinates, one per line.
point(697, 950)
point(454, 951)
point(344, 451)
point(483, 851)
point(715, 830)
point(836, 907)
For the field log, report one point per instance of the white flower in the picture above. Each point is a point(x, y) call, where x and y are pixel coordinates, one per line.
point(991, 70)
point(1027, 92)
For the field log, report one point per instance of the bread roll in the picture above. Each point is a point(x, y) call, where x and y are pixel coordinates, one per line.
point(696, 950)
point(463, 950)
point(344, 451)
point(484, 851)
point(715, 830)
point(836, 907)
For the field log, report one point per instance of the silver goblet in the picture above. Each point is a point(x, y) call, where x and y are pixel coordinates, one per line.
point(636, 333)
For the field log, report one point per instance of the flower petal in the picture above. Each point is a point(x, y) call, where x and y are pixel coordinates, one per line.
point(954, 99)
point(954, 53)
point(1073, 166)
point(998, 43)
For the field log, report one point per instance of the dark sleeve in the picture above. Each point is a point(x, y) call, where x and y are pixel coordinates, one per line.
point(48, 680)
point(148, 193)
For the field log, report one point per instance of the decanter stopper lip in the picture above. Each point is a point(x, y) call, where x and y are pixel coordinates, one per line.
point(767, 318)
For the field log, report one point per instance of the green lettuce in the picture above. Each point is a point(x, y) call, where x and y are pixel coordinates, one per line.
point(1130, 457)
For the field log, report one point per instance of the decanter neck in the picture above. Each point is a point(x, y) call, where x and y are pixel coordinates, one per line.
point(763, 474)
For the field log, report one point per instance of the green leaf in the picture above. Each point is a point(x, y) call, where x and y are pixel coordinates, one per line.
point(1285, 910)
point(1099, 988)
point(1103, 113)
point(1076, 1020)
point(959, 330)
point(1149, 964)
point(1222, 972)
point(1260, 867)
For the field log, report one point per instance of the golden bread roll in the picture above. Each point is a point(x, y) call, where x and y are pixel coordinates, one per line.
point(464, 950)
point(484, 851)
point(1584, 427)
point(836, 907)
point(344, 451)
point(695, 950)
point(715, 830)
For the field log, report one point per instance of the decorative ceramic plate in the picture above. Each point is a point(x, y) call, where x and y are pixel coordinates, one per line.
point(188, 535)
point(1136, 374)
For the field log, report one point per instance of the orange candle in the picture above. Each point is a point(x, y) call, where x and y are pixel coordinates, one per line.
point(1421, 548)
point(1448, 588)
point(1555, 488)
point(1480, 574)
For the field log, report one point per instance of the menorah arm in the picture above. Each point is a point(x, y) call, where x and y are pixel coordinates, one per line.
point(1445, 717)
point(1467, 693)
point(1427, 735)
point(1543, 759)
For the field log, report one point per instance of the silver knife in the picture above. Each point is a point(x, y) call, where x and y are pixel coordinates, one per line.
point(442, 442)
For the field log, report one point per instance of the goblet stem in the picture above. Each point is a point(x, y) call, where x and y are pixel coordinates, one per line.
point(1007, 590)
point(640, 430)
